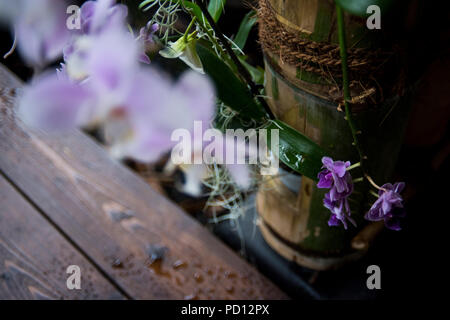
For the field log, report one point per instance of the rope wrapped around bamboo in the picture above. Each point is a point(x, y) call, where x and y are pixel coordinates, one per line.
point(322, 58)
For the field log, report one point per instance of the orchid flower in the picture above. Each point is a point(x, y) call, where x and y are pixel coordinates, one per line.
point(336, 178)
point(39, 27)
point(101, 83)
point(138, 107)
point(234, 154)
point(139, 112)
point(184, 48)
point(146, 38)
point(100, 15)
point(388, 206)
point(55, 103)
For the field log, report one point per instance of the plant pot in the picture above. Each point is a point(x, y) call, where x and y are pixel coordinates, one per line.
point(303, 88)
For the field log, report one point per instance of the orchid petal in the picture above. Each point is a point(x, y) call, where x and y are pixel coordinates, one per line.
point(55, 103)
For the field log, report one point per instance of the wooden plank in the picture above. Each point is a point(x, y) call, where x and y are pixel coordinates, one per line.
point(118, 220)
point(34, 257)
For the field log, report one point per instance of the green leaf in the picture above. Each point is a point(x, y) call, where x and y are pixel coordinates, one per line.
point(297, 151)
point(230, 89)
point(145, 2)
point(257, 73)
point(215, 8)
point(359, 7)
point(196, 11)
point(244, 29)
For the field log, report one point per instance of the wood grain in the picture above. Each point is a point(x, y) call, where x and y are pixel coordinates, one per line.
point(118, 220)
point(299, 15)
point(34, 257)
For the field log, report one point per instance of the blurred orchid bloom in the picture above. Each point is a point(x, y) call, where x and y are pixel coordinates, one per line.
point(138, 122)
point(103, 15)
point(137, 107)
point(227, 151)
point(39, 27)
point(102, 83)
point(146, 39)
point(157, 107)
point(97, 17)
point(238, 169)
point(196, 173)
point(100, 15)
point(109, 68)
point(55, 103)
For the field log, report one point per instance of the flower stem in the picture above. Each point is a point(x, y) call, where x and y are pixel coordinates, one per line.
point(353, 166)
point(358, 180)
point(345, 81)
point(373, 183)
point(241, 69)
point(14, 45)
point(189, 28)
point(374, 194)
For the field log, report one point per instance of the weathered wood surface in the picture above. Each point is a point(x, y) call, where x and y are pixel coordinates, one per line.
point(116, 220)
point(35, 257)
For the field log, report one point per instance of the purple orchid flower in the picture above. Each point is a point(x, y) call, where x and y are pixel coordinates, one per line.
point(100, 59)
point(157, 106)
point(55, 103)
point(40, 28)
point(146, 39)
point(96, 18)
point(226, 151)
point(100, 15)
point(389, 206)
point(340, 211)
point(336, 178)
point(236, 154)
point(101, 83)
point(138, 126)
point(105, 17)
point(138, 108)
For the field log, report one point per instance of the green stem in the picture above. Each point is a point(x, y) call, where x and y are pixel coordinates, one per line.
point(189, 28)
point(353, 166)
point(374, 194)
point(358, 180)
point(373, 183)
point(345, 81)
point(210, 35)
point(241, 69)
point(347, 99)
point(213, 40)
